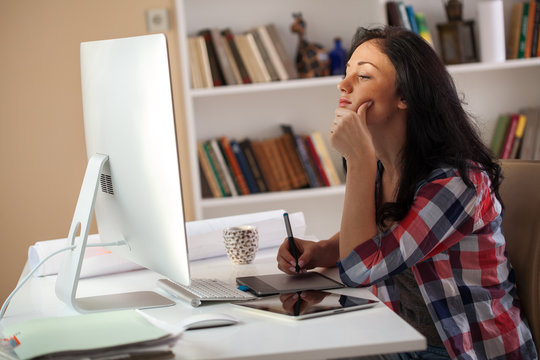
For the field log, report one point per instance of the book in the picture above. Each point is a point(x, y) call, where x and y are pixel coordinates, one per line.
point(392, 13)
point(530, 28)
point(202, 54)
point(515, 30)
point(273, 53)
point(257, 58)
point(531, 130)
point(245, 145)
point(299, 174)
point(303, 155)
point(232, 61)
point(206, 191)
point(273, 154)
point(195, 69)
point(324, 155)
point(208, 171)
point(285, 159)
point(523, 30)
point(243, 187)
point(224, 60)
point(230, 40)
point(242, 161)
point(227, 175)
point(217, 169)
point(317, 160)
point(403, 16)
point(499, 134)
point(265, 164)
point(423, 29)
point(248, 58)
point(215, 69)
point(412, 19)
point(280, 47)
point(509, 137)
point(536, 31)
point(265, 56)
point(516, 146)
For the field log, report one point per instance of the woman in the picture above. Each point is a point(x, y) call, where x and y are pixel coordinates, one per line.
point(431, 243)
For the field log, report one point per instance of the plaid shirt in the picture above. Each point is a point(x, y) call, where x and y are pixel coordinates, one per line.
point(453, 242)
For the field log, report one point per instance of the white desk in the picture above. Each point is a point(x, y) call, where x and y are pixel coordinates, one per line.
point(372, 331)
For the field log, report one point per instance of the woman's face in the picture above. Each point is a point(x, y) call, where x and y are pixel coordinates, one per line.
point(370, 76)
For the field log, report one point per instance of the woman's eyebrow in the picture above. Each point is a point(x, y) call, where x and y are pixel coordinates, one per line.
point(367, 62)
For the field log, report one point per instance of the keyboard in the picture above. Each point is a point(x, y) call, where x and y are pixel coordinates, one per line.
point(202, 290)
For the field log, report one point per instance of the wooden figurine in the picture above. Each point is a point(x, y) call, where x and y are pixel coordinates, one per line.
point(312, 59)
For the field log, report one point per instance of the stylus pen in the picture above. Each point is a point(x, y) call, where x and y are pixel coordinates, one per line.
point(292, 246)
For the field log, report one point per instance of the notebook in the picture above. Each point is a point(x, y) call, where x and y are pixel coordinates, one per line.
point(262, 285)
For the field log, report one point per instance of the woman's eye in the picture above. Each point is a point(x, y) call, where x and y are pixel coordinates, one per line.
point(363, 77)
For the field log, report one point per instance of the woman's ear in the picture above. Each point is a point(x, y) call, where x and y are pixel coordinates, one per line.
point(402, 104)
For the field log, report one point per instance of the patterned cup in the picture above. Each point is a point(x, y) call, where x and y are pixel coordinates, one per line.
point(241, 243)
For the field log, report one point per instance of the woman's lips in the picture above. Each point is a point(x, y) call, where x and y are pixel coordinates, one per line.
point(344, 102)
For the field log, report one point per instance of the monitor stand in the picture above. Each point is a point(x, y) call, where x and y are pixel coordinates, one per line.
point(70, 270)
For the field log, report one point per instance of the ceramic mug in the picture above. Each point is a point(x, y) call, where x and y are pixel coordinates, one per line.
point(241, 243)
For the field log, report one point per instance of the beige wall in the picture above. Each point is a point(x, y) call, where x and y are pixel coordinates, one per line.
point(41, 128)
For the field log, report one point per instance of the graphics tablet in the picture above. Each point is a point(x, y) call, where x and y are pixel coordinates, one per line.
point(308, 304)
point(271, 284)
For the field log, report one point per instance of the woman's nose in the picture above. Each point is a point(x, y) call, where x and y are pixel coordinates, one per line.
point(343, 86)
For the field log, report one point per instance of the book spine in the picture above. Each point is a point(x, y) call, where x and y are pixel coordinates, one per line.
point(242, 161)
point(523, 31)
point(208, 171)
point(265, 165)
point(516, 146)
point(256, 57)
point(243, 187)
point(403, 16)
point(412, 19)
point(225, 169)
point(273, 54)
point(325, 158)
point(244, 48)
point(218, 171)
point(272, 152)
point(497, 140)
point(195, 70)
point(280, 47)
point(531, 131)
point(392, 13)
point(222, 57)
point(217, 77)
point(232, 61)
point(205, 62)
point(265, 57)
point(301, 158)
point(317, 160)
point(530, 28)
point(536, 31)
point(245, 145)
point(515, 30)
point(300, 176)
point(229, 37)
point(280, 142)
point(509, 138)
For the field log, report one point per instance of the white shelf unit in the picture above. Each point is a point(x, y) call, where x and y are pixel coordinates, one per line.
point(257, 110)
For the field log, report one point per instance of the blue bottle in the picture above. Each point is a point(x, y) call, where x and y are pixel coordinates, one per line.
point(338, 58)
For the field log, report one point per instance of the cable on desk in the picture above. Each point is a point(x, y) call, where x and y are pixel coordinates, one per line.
point(20, 284)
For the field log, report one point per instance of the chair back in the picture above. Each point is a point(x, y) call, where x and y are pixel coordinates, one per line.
point(520, 192)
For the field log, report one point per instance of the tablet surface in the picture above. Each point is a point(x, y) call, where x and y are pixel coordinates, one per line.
point(280, 283)
point(306, 304)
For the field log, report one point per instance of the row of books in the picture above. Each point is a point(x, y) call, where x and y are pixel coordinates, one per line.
point(231, 168)
point(399, 14)
point(524, 30)
point(221, 57)
point(517, 135)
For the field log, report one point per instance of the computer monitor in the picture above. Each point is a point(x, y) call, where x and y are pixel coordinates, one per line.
point(132, 179)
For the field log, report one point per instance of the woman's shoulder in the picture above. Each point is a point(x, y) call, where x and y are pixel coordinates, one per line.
point(448, 174)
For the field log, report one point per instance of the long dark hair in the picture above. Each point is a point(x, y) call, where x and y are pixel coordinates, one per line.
point(439, 131)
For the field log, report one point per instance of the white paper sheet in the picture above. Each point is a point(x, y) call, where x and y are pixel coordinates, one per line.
point(204, 240)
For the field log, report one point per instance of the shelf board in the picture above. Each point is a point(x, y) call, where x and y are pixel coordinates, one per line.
point(273, 196)
point(334, 80)
point(487, 66)
point(262, 87)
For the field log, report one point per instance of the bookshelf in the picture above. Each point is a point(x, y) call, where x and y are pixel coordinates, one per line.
point(257, 110)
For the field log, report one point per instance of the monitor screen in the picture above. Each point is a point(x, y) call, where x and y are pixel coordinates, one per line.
point(129, 124)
